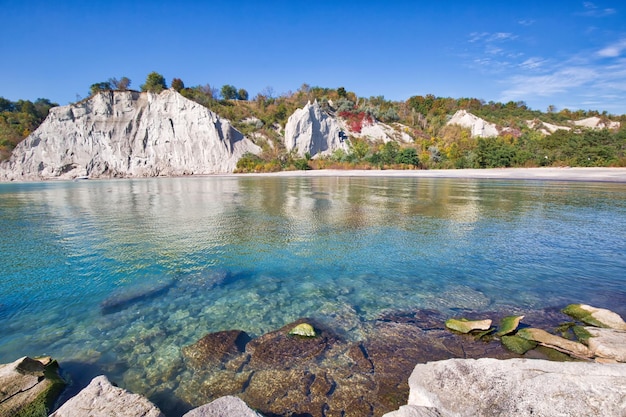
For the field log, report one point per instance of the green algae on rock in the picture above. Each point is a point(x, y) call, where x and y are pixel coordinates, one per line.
point(303, 329)
point(466, 326)
point(518, 344)
point(575, 349)
point(593, 316)
point(29, 387)
point(508, 325)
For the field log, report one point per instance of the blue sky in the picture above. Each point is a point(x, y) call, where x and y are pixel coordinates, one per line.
point(570, 54)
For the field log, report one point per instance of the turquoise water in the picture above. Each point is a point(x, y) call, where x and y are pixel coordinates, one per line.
point(255, 253)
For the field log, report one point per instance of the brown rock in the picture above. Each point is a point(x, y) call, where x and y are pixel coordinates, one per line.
point(279, 350)
point(215, 348)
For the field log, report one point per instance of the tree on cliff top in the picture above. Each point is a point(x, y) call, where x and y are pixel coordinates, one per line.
point(155, 83)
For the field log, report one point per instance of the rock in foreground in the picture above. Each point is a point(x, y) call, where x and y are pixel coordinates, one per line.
point(516, 387)
point(101, 399)
point(29, 387)
point(227, 406)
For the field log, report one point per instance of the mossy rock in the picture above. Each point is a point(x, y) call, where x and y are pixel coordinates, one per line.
point(581, 333)
point(593, 316)
point(508, 325)
point(304, 330)
point(466, 326)
point(518, 344)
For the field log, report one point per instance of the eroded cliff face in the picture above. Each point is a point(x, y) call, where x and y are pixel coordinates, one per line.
point(128, 134)
point(311, 130)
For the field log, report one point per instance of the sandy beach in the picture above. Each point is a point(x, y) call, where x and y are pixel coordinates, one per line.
point(543, 174)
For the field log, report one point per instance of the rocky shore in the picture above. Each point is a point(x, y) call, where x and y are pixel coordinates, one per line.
point(305, 369)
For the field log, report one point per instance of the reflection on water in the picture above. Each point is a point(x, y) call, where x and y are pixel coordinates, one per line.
point(256, 253)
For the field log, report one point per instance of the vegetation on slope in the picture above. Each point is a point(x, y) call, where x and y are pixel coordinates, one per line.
point(435, 145)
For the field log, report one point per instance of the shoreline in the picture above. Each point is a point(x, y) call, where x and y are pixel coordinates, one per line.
point(578, 174)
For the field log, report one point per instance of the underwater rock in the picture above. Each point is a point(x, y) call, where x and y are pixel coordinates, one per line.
point(227, 406)
point(303, 329)
point(544, 338)
point(518, 387)
point(29, 387)
point(593, 316)
point(466, 326)
point(215, 348)
point(278, 349)
point(128, 296)
point(607, 343)
point(509, 325)
point(101, 399)
point(518, 344)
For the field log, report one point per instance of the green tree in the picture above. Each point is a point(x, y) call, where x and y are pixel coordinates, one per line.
point(177, 84)
point(408, 156)
point(97, 87)
point(242, 94)
point(155, 83)
point(228, 92)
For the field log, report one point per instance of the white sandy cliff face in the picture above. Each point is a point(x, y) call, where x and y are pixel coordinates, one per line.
point(128, 134)
point(311, 130)
point(479, 127)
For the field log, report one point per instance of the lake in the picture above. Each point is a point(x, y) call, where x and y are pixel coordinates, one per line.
point(116, 276)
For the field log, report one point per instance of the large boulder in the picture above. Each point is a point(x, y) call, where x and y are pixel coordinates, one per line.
point(227, 406)
point(310, 130)
point(101, 399)
point(128, 134)
point(29, 387)
point(518, 387)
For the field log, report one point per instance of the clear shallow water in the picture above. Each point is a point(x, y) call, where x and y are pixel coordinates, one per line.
point(255, 253)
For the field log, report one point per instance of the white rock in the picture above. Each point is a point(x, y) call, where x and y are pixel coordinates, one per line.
point(597, 123)
point(311, 130)
point(128, 134)
point(101, 399)
point(607, 343)
point(227, 406)
point(519, 387)
point(479, 127)
point(413, 411)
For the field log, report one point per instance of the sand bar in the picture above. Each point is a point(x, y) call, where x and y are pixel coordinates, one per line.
point(544, 174)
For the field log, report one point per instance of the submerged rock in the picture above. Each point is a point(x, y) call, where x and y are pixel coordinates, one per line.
point(29, 387)
point(101, 399)
point(215, 348)
point(127, 296)
point(518, 344)
point(466, 326)
point(518, 387)
point(599, 317)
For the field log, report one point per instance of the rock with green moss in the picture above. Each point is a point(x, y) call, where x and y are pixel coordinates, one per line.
point(466, 326)
point(303, 329)
point(593, 316)
point(518, 344)
point(575, 349)
point(29, 387)
point(508, 325)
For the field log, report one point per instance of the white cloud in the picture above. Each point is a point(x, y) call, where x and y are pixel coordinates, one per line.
point(523, 87)
point(592, 10)
point(533, 63)
point(614, 50)
point(526, 22)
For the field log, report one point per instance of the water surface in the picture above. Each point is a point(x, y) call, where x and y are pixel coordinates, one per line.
point(255, 253)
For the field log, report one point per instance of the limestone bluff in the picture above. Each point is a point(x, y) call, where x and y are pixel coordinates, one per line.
point(128, 134)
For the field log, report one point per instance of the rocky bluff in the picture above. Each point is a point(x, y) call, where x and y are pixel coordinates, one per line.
point(128, 134)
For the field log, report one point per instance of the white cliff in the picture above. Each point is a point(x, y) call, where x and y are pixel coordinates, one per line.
point(479, 128)
point(311, 130)
point(128, 134)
